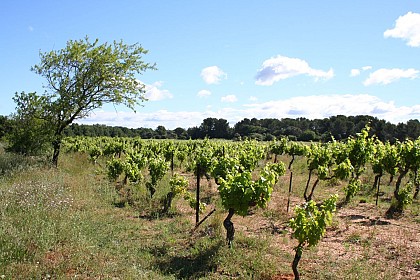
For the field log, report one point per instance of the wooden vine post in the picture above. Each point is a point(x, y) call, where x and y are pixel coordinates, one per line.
point(197, 205)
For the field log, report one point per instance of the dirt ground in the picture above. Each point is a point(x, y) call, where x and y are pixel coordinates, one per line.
point(359, 232)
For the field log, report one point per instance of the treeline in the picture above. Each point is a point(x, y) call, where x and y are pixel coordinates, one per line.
point(299, 129)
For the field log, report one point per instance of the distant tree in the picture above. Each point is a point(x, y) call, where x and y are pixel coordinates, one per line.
point(146, 133)
point(161, 132)
point(339, 127)
point(293, 131)
point(308, 135)
point(181, 133)
point(413, 129)
point(82, 77)
point(214, 128)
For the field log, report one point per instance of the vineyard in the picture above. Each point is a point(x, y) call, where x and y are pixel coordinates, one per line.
point(215, 209)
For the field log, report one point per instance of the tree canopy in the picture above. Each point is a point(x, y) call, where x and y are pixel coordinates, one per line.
point(84, 76)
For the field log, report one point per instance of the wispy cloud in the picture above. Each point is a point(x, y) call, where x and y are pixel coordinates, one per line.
point(155, 93)
point(229, 98)
point(30, 28)
point(281, 67)
point(311, 107)
point(204, 93)
point(356, 72)
point(386, 76)
point(407, 27)
point(213, 75)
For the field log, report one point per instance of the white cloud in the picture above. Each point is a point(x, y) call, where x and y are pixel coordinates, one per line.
point(311, 107)
point(323, 106)
point(387, 76)
point(407, 27)
point(213, 75)
point(281, 67)
point(204, 93)
point(356, 72)
point(170, 120)
point(253, 98)
point(229, 98)
point(154, 93)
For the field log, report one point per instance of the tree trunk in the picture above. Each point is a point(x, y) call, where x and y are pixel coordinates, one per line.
point(398, 184)
point(398, 207)
point(167, 202)
point(230, 229)
point(291, 162)
point(295, 262)
point(56, 146)
point(313, 189)
point(417, 184)
point(307, 185)
point(378, 183)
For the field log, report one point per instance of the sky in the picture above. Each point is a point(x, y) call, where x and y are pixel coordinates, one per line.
point(232, 59)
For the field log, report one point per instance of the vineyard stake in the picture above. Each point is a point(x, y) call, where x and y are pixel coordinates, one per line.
point(197, 205)
point(290, 190)
point(205, 218)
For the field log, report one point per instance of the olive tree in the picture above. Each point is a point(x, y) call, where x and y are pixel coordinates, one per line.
point(83, 77)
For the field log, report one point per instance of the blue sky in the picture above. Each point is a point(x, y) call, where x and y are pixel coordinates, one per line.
point(233, 59)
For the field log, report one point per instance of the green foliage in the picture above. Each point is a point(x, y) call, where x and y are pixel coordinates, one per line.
point(360, 150)
point(157, 169)
point(239, 191)
point(310, 221)
point(224, 166)
point(115, 168)
point(279, 147)
point(352, 188)
point(297, 149)
point(94, 153)
point(178, 184)
point(30, 133)
point(404, 198)
point(343, 170)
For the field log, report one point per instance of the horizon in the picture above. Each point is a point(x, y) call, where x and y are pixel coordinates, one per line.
point(235, 59)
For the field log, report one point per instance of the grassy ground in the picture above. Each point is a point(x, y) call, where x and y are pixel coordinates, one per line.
point(69, 223)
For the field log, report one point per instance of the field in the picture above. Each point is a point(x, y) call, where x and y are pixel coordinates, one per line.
point(72, 223)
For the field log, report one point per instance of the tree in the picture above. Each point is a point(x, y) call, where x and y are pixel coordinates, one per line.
point(214, 128)
point(83, 76)
point(30, 133)
point(181, 133)
point(161, 132)
point(5, 126)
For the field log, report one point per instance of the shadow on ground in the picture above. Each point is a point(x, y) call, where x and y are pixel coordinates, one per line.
point(189, 266)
